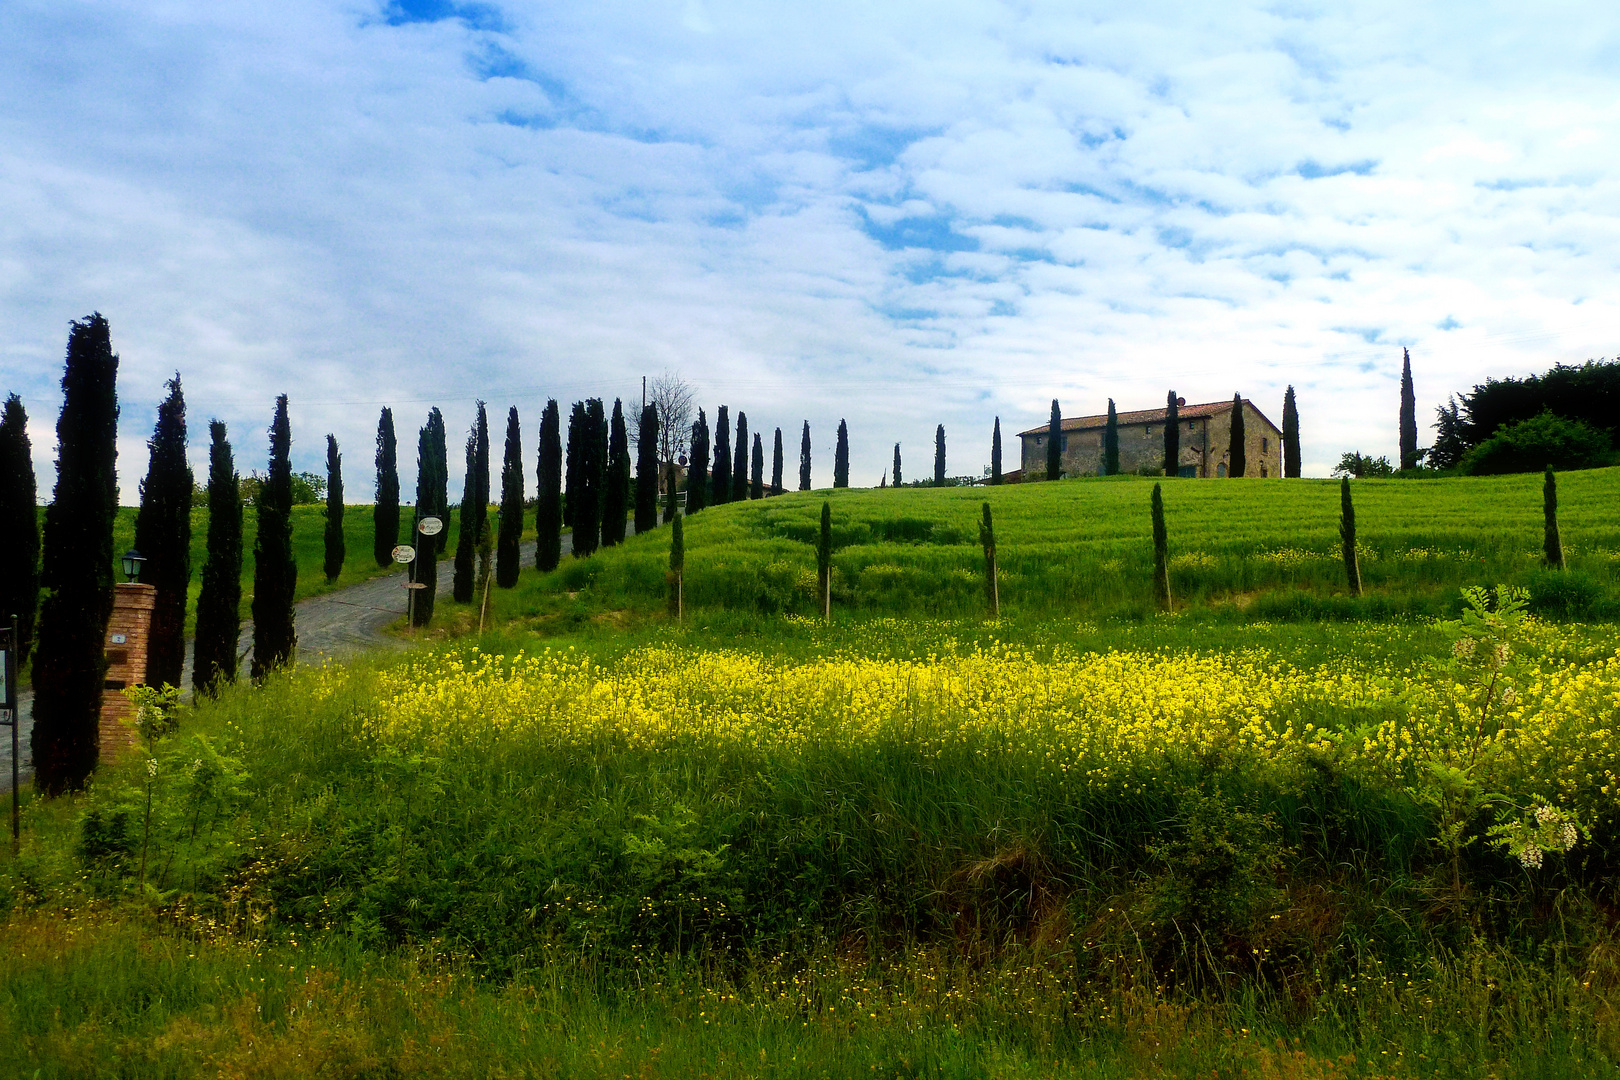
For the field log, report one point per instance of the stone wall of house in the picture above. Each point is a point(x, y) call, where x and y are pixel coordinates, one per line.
point(1205, 446)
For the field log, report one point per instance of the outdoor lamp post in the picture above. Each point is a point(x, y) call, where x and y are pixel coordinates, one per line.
point(132, 564)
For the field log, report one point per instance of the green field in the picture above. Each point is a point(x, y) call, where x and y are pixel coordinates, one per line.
point(1245, 839)
point(1083, 548)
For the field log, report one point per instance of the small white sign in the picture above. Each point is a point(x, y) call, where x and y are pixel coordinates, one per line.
point(415, 585)
point(430, 526)
point(119, 639)
point(404, 553)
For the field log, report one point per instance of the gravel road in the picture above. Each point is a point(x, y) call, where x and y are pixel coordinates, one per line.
point(332, 626)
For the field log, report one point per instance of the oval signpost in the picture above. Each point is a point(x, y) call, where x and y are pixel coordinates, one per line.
point(430, 526)
point(404, 553)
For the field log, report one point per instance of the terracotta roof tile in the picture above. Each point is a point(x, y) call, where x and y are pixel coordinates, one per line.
point(1144, 416)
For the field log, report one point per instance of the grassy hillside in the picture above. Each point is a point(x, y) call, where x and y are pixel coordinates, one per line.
point(1267, 548)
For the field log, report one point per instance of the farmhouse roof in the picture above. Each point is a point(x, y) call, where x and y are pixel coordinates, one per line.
point(1147, 416)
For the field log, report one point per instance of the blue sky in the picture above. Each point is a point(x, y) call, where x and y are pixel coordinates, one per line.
point(898, 214)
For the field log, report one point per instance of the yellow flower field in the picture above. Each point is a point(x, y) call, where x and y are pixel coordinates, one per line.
point(1095, 720)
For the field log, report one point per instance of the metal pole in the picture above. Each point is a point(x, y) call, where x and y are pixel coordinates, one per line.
point(410, 593)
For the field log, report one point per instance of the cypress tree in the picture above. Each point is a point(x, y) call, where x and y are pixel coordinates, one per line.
point(1111, 442)
point(616, 482)
point(592, 475)
point(1552, 547)
point(275, 574)
point(776, 465)
point(995, 453)
point(720, 477)
point(824, 561)
point(647, 470)
point(897, 480)
point(163, 536)
point(804, 458)
point(1054, 444)
point(1238, 450)
point(1161, 552)
point(1347, 537)
point(461, 578)
point(69, 662)
point(677, 568)
point(1290, 435)
point(385, 514)
point(1409, 447)
point(425, 571)
point(572, 491)
point(756, 486)
point(697, 484)
point(334, 510)
point(841, 457)
point(219, 621)
point(1172, 436)
point(441, 482)
point(19, 526)
point(939, 456)
point(548, 493)
point(739, 460)
point(987, 540)
point(507, 560)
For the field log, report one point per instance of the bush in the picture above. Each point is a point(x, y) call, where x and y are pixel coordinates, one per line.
point(1532, 445)
point(1566, 593)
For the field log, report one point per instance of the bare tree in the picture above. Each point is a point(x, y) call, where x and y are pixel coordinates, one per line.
point(672, 396)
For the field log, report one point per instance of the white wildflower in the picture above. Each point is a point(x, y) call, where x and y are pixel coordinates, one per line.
point(1570, 836)
point(1464, 648)
point(151, 766)
point(1508, 697)
point(1544, 814)
point(1500, 657)
point(1531, 857)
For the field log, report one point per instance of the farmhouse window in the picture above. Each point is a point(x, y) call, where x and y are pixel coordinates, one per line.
point(1265, 446)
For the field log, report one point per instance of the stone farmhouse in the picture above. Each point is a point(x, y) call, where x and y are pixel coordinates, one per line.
point(1206, 438)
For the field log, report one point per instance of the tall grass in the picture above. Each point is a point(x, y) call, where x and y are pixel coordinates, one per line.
point(1083, 547)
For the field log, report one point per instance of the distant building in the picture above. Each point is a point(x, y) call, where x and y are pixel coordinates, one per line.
point(1206, 438)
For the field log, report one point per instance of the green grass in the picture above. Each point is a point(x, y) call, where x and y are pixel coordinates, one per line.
point(1264, 549)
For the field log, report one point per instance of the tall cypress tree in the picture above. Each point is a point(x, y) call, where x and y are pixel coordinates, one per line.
point(1238, 450)
point(69, 662)
point(1409, 447)
point(897, 478)
point(1172, 435)
point(1290, 435)
point(824, 561)
point(572, 490)
point(1552, 547)
point(441, 482)
point(841, 457)
point(995, 453)
point(163, 536)
point(677, 567)
point(720, 478)
point(219, 621)
point(647, 470)
point(939, 456)
point(19, 526)
point(1347, 538)
point(1111, 442)
point(804, 458)
point(776, 465)
point(275, 574)
point(739, 460)
point(697, 483)
point(548, 491)
point(335, 551)
point(592, 473)
point(616, 483)
point(507, 560)
point(425, 571)
point(1161, 552)
point(756, 486)
point(385, 514)
point(987, 541)
point(1054, 444)
point(470, 525)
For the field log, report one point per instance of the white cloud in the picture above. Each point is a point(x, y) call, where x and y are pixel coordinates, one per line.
point(902, 214)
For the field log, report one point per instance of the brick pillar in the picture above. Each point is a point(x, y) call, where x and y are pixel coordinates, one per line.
point(127, 633)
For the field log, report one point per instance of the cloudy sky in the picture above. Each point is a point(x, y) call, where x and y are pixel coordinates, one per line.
point(902, 214)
